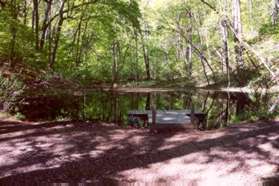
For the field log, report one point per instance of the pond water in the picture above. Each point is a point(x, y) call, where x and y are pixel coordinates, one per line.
point(222, 108)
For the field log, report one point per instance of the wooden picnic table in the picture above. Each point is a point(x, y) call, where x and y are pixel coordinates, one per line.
point(169, 118)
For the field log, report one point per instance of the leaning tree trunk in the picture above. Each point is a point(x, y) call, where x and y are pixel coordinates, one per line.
point(237, 25)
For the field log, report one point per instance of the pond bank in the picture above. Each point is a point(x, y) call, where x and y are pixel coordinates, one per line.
point(102, 153)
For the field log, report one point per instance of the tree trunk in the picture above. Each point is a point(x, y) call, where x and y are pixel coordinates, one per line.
point(262, 59)
point(275, 11)
point(45, 27)
point(146, 58)
point(57, 35)
point(115, 61)
point(181, 51)
point(225, 50)
point(25, 12)
point(80, 39)
point(36, 22)
point(13, 31)
point(204, 70)
point(225, 53)
point(136, 74)
point(189, 47)
point(237, 25)
point(77, 48)
point(77, 38)
point(148, 101)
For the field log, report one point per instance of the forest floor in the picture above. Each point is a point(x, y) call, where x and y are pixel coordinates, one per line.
point(59, 152)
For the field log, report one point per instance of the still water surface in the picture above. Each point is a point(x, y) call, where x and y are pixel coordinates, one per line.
point(222, 108)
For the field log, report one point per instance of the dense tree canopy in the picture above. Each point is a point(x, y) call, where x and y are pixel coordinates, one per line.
point(224, 41)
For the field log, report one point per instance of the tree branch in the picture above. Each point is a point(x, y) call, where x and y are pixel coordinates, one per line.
point(263, 60)
point(72, 8)
point(210, 6)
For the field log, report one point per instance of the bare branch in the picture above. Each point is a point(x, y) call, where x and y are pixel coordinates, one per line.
point(263, 60)
point(210, 6)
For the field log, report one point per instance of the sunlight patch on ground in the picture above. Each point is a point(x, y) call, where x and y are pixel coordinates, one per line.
point(183, 157)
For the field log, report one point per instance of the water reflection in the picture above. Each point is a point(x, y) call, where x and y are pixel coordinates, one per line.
point(222, 108)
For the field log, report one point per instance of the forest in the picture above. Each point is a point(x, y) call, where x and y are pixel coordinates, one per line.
point(121, 41)
point(51, 46)
point(99, 72)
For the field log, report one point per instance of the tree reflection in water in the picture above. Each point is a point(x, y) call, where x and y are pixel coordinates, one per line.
point(222, 108)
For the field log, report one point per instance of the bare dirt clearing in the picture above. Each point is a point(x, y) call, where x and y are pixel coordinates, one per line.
point(102, 153)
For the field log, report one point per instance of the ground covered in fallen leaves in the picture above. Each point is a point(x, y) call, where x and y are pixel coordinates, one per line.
point(91, 153)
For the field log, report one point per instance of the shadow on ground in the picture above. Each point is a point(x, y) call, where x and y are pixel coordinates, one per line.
point(74, 152)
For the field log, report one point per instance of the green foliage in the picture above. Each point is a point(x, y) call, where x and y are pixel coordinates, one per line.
point(11, 91)
point(270, 30)
point(20, 116)
point(164, 27)
point(254, 116)
point(24, 51)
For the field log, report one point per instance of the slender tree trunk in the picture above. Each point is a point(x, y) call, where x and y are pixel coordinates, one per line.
point(57, 35)
point(36, 22)
point(45, 27)
point(179, 43)
point(77, 48)
point(227, 110)
point(181, 50)
point(114, 107)
point(82, 48)
point(25, 12)
point(189, 47)
point(225, 51)
point(204, 70)
point(196, 50)
point(237, 25)
point(13, 31)
point(262, 59)
point(80, 40)
point(136, 74)
point(148, 101)
point(145, 57)
point(275, 11)
point(77, 59)
point(115, 60)
point(50, 46)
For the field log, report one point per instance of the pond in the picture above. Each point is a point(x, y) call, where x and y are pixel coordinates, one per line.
point(222, 108)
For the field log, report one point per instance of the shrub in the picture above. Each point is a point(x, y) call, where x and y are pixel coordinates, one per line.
point(11, 90)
